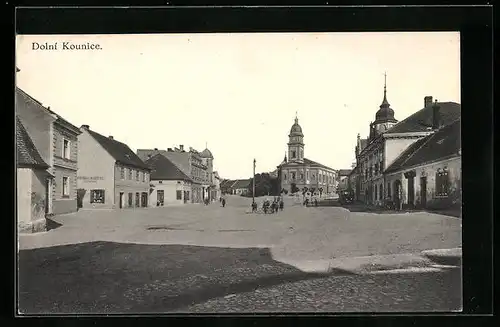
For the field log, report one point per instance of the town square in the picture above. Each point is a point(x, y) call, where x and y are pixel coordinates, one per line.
point(256, 193)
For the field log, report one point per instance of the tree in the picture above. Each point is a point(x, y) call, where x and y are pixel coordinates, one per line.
point(264, 185)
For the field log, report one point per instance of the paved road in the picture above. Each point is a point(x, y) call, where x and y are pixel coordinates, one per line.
point(173, 258)
point(406, 292)
point(104, 277)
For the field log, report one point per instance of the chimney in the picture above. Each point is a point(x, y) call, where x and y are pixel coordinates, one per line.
point(111, 137)
point(436, 119)
point(169, 150)
point(181, 147)
point(156, 149)
point(85, 127)
point(427, 101)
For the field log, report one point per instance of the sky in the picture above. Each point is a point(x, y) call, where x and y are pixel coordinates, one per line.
point(239, 93)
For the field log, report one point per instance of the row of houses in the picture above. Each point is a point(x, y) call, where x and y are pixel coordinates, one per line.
point(61, 168)
point(235, 186)
point(414, 163)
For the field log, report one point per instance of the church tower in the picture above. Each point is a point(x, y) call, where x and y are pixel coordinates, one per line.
point(296, 143)
point(384, 118)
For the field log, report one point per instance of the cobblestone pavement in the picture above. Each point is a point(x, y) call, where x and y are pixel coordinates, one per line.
point(409, 292)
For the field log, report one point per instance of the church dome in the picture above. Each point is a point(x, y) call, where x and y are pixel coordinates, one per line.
point(385, 113)
point(206, 154)
point(296, 130)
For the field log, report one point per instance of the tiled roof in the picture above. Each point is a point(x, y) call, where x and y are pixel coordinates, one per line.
point(314, 163)
point(27, 154)
point(120, 151)
point(442, 144)
point(27, 97)
point(226, 183)
point(164, 169)
point(422, 119)
point(241, 183)
point(344, 172)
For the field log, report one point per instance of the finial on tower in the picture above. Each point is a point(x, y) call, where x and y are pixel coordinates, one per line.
point(296, 117)
point(385, 103)
point(206, 145)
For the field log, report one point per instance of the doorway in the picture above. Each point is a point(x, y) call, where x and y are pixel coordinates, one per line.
point(144, 199)
point(398, 194)
point(423, 191)
point(411, 192)
point(121, 199)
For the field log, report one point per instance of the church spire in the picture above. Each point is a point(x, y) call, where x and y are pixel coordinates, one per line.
point(385, 103)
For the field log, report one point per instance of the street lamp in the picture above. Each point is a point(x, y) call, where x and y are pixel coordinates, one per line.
point(253, 180)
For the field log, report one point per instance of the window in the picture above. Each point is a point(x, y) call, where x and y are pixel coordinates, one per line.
point(293, 154)
point(313, 176)
point(307, 175)
point(66, 149)
point(130, 199)
point(179, 195)
point(381, 166)
point(442, 182)
point(284, 177)
point(187, 195)
point(122, 173)
point(293, 175)
point(389, 190)
point(96, 196)
point(137, 200)
point(137, 175)
point(376, 194)
point(143, 176)
point(65, 187)
point(381, 191)
point(301, 176)
point(130, 174)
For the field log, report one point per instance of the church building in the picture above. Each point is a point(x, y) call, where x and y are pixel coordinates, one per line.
point(298, 172)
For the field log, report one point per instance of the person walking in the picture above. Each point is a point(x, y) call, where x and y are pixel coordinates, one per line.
point(281, 204)
point(223, 202)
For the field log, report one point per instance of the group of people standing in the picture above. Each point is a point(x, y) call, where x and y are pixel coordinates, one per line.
point(271, 207)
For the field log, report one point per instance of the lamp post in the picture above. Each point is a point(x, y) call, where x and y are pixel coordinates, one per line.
point(253, 180)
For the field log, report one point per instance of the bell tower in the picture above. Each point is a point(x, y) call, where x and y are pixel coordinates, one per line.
point(296, 143)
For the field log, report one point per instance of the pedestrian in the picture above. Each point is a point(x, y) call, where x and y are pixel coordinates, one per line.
point(281, 204)
point(223, 203)
point(315, 202)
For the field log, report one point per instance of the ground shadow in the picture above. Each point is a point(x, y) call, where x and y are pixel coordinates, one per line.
point(51, 224)
point(108, 277)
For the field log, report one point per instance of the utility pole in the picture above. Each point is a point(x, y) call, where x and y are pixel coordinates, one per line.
point(253, 179)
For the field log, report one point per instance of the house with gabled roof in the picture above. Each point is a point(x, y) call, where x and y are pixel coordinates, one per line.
point(388, 138)
point(31, 182)
point(55, 139)
point(169, 183)
point(427, 174)
point(110, 174)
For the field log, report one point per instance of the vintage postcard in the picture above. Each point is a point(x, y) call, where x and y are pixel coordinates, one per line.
point(238, 172)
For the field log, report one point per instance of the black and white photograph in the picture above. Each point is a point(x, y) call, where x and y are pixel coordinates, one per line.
point(173, 173)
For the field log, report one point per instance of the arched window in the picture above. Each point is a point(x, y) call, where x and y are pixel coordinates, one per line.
point(442, 182)
point(293, 154)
